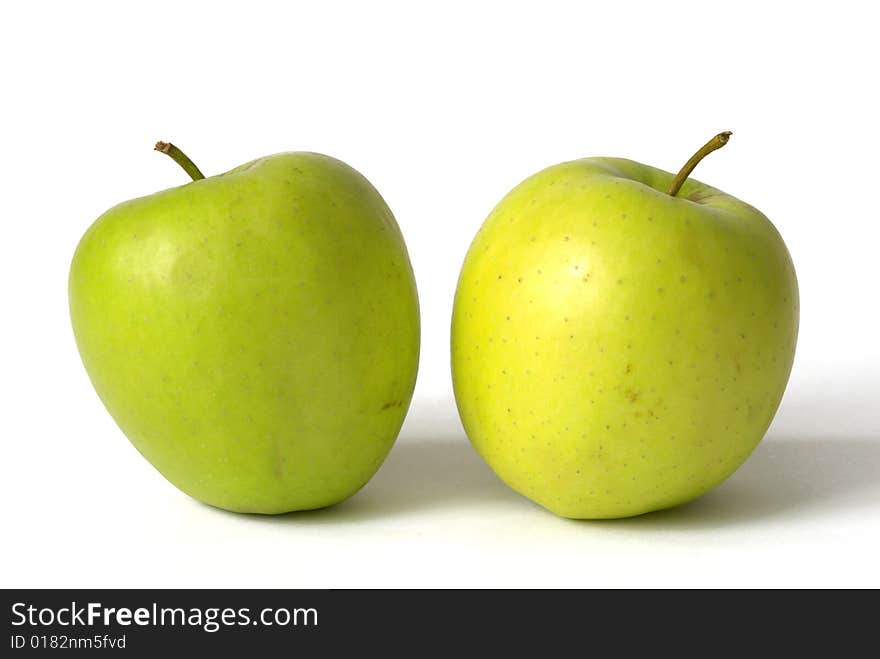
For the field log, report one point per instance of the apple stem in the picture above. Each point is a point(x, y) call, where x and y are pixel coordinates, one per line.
point(715, 143)
point(181, 159)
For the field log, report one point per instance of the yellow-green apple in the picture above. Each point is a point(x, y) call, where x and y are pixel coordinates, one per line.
point(254, 334)
point(621, 337)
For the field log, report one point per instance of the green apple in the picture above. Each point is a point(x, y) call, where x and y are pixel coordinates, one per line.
point(620, 345)
point(254, 334)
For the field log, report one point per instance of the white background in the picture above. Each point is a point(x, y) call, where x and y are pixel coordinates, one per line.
point(444, 107)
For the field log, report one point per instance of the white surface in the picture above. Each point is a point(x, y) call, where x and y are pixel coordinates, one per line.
point(443, 109)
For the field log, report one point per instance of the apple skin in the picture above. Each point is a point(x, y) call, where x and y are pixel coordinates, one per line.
point(254, 334)
point(616, 350)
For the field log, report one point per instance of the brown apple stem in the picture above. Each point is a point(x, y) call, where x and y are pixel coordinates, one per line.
point(181, 159)
point(715, 143)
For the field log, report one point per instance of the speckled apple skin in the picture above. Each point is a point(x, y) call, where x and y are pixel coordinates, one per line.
point(254, 334)
point(616, 350)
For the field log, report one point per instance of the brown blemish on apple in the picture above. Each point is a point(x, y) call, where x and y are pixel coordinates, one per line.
point(394, 403)
point(699, 196)
point(632, 396)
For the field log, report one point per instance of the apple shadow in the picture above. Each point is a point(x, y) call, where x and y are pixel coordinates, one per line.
point(803, 467)
point(432, 467)
point(422, 473)
point(429, 473)
point(785, 476)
